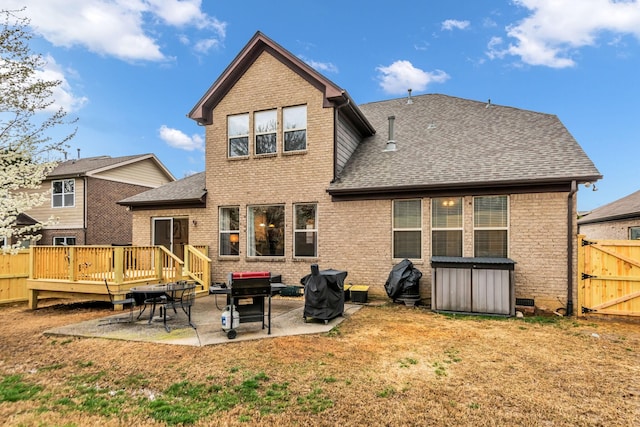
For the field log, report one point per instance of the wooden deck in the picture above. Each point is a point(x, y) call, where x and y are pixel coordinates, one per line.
point(79, 272)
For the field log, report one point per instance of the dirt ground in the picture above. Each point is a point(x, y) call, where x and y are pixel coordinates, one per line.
point(386, 365)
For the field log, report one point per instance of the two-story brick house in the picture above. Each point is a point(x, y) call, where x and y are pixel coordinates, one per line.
point(297, 173)
point(83, 195)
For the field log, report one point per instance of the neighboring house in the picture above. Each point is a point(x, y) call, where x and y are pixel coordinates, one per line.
point(618, 220)
point(298, 174)
point(83, 195)
point(22, 220)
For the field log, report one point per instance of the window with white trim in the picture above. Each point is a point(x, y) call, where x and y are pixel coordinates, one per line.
point(295, 128)
point(63, 193)
point(490, 226)
point(446, 226)
point(265, 125)
point(238, 133)
point(407, 229)
point(305, 239)
point(229, 231)
point(64, 241)
point(265, 231)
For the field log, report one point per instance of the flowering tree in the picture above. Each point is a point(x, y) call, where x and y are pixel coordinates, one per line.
point(27, 117)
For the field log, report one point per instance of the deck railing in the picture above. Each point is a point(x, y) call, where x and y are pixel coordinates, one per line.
point(197, 265)
point(83, 269)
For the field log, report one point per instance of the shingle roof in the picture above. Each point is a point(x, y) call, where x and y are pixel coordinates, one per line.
point(84, 166)
point(445, 142)
point(186, 190)
point(624, 208)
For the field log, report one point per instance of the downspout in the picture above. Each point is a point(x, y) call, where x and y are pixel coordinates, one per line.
point(570, 245)
point(85, 208)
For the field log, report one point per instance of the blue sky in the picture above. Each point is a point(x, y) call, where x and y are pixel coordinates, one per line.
point(132, 69)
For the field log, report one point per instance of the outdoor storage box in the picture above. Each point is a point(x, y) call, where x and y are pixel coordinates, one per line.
point(359, 293)
point(473, 285)
point(291, 291)
point(347, 292)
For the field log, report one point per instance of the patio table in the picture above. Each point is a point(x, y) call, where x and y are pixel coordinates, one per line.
point(163, 294)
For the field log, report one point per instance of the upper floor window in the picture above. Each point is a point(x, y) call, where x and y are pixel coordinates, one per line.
point(295, 128)
point(491, 226)
point(407, 229)
point(305, 241)
point(229, 231)
point(265, 230)
point(63, 193)
point(446, 226)
point(265, 127)
point(634, 233)
point(238, 130)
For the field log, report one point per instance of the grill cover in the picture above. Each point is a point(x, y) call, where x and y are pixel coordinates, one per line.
point(323, 293)
point(404, 279)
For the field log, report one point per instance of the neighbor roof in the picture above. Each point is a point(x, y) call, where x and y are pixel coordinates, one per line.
point(624, 208)
point(186, 191)
point(93, 165)
point(444, 142)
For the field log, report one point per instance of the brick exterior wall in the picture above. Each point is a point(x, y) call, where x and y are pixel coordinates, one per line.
point(610, 230)
point(352, 235)
point(49, 234)
point(108, 222)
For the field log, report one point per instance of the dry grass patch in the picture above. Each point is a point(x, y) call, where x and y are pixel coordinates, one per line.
point(388, 365)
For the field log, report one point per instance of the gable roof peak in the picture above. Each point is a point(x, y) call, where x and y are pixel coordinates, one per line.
point(334, 95)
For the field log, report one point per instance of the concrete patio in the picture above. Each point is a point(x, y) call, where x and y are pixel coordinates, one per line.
point(286, 319)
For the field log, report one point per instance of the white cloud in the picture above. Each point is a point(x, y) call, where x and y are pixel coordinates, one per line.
point(178, 139)
point(118, 28)
point(402, 75)
point(453, 24)
point(62, 94)
point(555, 29)
point(324, 67)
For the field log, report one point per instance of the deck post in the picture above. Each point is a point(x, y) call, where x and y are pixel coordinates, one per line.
point(71, 253)
point(118, 259)
point(159, 263)
point(33, 299)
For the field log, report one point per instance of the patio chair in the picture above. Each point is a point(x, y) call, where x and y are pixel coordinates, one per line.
point(120, 302)
point(184, 298)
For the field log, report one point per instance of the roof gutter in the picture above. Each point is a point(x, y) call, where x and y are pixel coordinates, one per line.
point(541, 185)
point(570, 247)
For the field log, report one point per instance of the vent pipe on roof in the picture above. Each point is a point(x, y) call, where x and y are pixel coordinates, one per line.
point(78, 153)
point(409, 99)
point(391, 143)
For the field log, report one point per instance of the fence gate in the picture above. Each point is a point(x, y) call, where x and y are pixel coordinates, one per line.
point(608, 277)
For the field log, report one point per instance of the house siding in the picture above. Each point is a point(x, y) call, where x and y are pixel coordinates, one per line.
point(348, 139)
point(143, 173)
point(64, 218)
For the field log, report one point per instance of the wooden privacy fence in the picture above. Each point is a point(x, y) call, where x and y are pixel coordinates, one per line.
point(608, 277)
point(14, 271)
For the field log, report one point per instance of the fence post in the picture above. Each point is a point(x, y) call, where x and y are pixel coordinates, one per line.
point(580, 283)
